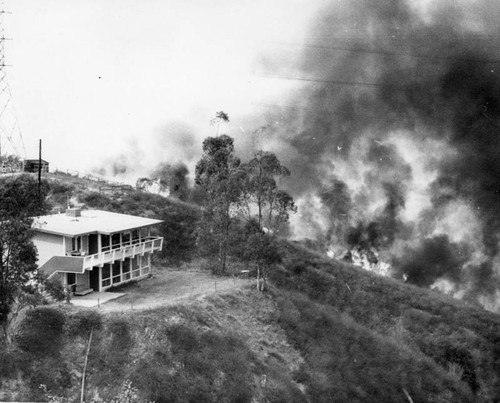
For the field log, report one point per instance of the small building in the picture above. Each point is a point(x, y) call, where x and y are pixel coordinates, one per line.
point(93, 250)
point(32, 166)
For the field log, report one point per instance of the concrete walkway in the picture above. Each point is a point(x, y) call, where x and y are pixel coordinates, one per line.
point(95, 298)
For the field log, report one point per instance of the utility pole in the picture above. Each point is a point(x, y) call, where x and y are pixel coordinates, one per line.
point(40, 169)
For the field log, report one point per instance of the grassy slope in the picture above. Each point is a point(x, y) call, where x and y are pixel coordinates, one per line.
point(358, 314)
point(326, 331)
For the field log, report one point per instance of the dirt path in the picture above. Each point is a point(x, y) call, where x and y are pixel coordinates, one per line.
point(168, 287)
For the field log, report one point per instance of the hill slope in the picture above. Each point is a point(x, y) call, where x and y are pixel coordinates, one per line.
point(325, 332)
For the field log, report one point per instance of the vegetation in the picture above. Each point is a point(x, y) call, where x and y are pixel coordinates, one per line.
point(459, 339)
point(324, 331)
point(218, 173)
point(21, 198)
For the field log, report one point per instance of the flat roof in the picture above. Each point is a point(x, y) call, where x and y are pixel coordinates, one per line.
point(90, 221)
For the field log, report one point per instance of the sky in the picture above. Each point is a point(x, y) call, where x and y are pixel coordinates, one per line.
point(98, 80)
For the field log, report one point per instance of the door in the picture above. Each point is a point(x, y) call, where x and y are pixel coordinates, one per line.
point(94, 278)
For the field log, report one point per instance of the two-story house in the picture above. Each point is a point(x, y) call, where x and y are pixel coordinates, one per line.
point(93, 250)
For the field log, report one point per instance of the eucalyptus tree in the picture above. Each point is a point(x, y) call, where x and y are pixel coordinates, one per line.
point(269, 206)
point(221, 177)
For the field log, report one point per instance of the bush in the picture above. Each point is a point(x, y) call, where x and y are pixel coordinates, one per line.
point(82, 322)
point(197, 367)
point(97, 200)
point(60, 192)
point(348, 362)
point(110, 352)
point(41, 331)
point(178, 232)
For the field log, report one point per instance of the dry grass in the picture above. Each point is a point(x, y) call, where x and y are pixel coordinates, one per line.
point(170, 286)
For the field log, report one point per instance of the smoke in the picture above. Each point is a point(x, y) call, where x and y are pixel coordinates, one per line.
point(174, 177)
point(393, 140)
point(173, 149)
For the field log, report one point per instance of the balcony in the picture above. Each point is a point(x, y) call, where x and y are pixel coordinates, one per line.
point(129, 250)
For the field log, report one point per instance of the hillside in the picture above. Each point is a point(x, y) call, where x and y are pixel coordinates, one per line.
point(325, 331)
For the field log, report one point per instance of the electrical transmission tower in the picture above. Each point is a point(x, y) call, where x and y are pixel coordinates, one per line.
point(12, 149)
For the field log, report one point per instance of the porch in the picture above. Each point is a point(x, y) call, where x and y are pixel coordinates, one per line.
point(95, 298)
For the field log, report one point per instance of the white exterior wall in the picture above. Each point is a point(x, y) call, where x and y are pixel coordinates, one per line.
point(69, 246)
point(48, 245)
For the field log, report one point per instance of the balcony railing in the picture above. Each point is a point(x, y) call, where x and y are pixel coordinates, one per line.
point(147, 245)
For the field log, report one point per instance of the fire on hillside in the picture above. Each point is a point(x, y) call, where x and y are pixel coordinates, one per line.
point(393, 142)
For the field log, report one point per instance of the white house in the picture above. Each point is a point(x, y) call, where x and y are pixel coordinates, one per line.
point(92, 250)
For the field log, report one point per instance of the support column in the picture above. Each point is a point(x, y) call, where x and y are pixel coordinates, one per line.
point(121, 270)
point(99, 287)
point(99, 243)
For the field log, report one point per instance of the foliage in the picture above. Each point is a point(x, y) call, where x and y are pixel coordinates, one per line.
point(218, 173)
point(261, 187)
point(199, 366)
point(347, 362)
point(97, 200)
point(273, 209)
point(60, 192)
point(127, 394)
point(41, 331)
point(17, 265)
point(110, 355)
point(82, 322)
point(178, 231)
point(20, 197)
point(262, 249)
point(53, 287)
point(445, 330)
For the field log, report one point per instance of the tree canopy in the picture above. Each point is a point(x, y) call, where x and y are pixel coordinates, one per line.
point(220, 175)
point(20, 200)
point(235, 190)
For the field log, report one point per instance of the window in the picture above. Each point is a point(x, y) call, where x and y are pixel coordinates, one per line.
point(126, 269)
point(106, 272)
point(115, 241)
point(104, 243)
point(106, 276)
point(117, 278)
point(71, 281)
point(76, 244)
point(135, 236)
point(71, 278)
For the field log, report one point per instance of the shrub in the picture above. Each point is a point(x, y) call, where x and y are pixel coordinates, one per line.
point(97, 200)
point(81, 323)
point(41, 331)
point(60, 191)
point(178, 232)
point(196, 367)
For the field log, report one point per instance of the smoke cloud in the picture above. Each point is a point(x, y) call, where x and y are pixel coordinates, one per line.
point(394, 137)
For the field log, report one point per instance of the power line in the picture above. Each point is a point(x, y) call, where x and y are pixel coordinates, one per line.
point(310, 109)
point(387, 52)
point(335, 82)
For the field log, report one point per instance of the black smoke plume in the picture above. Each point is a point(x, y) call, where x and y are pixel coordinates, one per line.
point(174, 177)
point(399, 116)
